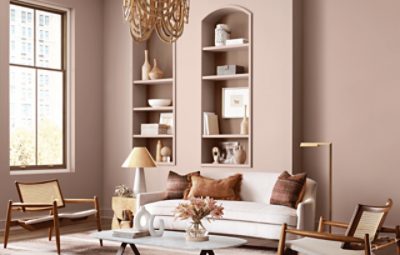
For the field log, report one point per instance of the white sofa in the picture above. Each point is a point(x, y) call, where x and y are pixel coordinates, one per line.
point(253, 217)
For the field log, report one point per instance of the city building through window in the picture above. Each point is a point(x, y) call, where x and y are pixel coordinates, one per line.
point(37, 87)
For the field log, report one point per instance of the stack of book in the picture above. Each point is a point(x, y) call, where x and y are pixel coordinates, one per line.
point(130, 233)
point(210, 126)
point(153, 129)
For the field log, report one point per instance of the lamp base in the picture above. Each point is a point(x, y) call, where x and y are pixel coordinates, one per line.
point(139, 184)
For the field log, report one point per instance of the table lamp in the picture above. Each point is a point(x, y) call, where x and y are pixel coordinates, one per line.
point(320, 144)
point(139, 158)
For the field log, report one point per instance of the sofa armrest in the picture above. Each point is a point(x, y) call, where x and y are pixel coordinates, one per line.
point(150, 197)
point(306, 215)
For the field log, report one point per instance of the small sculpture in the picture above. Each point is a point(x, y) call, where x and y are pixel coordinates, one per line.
point(160, 231)
point(216, 154)
point(166, 154)
point(123, 191)
point(142, 219)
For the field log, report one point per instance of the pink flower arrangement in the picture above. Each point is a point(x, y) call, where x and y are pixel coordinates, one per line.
point(198, 208)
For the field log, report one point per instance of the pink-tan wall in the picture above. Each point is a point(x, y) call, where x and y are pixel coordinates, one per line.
point(351, 97)
point(272, 92)
point(87, 178)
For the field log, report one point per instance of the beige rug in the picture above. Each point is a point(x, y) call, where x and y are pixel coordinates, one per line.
point(77, 244)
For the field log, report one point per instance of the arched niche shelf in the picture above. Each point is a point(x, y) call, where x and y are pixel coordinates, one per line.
point(239, 20)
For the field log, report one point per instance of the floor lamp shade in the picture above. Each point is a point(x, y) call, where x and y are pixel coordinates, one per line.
point(139, 158)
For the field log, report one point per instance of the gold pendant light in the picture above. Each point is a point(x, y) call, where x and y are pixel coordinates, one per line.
point(167, 17)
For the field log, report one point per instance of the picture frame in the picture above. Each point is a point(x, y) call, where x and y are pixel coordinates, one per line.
point(234, 101)
point(167, 118)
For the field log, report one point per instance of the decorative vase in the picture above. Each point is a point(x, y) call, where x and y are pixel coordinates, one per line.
point(196, 232)
point(142, 219)
point(156, 72)
point(158, 151)
point(239, 155)
point(244, 125)
point(146, 66)
point(222, 33)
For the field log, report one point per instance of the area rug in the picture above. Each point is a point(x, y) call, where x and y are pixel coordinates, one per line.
point(83, 243)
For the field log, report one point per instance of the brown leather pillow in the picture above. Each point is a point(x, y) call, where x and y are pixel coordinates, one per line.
point(224, 189)
point(288, 189)
point(177, 184)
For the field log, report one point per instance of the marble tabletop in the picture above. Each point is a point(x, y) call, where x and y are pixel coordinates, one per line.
point(175, 240)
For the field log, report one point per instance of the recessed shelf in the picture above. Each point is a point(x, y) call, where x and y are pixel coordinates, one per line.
point(165, 163)
point(154, 82)
point(225, 165)
point(153, 136)
point(153, 109)
point(238, 136)
point(226, 48)
point(226, 77)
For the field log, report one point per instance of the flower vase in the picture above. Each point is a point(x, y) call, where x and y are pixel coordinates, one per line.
point(146, 66)
point(196, 232)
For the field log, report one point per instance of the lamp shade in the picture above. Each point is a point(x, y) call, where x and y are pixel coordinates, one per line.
point(139, 157)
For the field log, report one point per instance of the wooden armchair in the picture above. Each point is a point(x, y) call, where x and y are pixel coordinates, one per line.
point(46, 196)
point(362, 235)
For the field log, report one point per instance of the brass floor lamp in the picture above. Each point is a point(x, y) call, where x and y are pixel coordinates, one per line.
point(330, 147)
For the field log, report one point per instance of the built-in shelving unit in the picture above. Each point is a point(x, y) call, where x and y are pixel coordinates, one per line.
point(154, 89)
point(239, 21)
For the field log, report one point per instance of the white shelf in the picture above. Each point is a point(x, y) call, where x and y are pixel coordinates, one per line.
point(154, 82)
point(238, 136)
point(226, 77)
point(153, 136)
point(153, 109)
point(226, 48)
point(225, 165)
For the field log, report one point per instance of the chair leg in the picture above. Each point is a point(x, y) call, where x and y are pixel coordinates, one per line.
point(56, 227)
point(367, 245)
point(98, 218)
point(282, 241)
point(8, 223)
point(50, 232)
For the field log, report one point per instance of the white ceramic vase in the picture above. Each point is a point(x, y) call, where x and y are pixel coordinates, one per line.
point(146, 66)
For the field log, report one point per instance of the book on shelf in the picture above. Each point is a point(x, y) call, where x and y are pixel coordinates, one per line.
point(236, 41)
point(210, 125)
point(129, 233)
point(153, 129)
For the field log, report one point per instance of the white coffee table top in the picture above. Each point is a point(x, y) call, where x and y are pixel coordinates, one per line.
point(175, 240)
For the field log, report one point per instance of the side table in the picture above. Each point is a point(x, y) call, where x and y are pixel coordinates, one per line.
point(124, 208)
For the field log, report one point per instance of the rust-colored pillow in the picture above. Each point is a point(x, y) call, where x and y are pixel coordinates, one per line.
point(288, 189)
point(224, 189)
point(177, 184)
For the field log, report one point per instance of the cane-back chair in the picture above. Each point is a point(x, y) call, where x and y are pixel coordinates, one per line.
point(47, 197)
point(363, 236)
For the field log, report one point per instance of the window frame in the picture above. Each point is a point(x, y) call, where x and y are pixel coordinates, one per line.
point(63, 69)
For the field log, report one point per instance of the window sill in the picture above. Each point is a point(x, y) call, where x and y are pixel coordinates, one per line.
point(44, 171)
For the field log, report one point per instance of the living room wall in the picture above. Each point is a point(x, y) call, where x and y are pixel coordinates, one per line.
point(87, 178)
point(272, 92)
point(351, 97)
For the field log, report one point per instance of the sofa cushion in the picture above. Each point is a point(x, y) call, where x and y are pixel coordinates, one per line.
point(288, 189)
point(236, 211)
point(177, 184)
point(224, 189)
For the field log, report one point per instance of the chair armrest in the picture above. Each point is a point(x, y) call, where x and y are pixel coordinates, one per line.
point(335, 224)
point(306, 214)
point(78, 200)
point(150, 197)
point(325, 236)
point(22, 206)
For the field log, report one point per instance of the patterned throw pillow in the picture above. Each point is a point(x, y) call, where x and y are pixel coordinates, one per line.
point(177, 184)
point(288, 189)
point(224, 189)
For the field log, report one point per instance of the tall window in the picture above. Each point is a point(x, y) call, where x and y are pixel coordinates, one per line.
point(37, 87)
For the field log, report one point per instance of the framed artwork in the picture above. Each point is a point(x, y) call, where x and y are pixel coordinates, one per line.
point(167, 119)
point(234, 101)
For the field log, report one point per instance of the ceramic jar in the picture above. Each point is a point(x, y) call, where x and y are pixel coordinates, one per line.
point(222, 33)
point(156, 72)
point(239, 155)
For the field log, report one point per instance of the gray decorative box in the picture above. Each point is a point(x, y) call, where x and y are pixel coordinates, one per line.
point(229, 69)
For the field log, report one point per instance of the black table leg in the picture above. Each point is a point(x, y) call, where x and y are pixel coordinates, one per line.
point(134, 249)
point(207, 252)
point(121, 249)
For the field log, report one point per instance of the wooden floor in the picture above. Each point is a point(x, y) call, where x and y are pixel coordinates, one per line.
point(17, 234)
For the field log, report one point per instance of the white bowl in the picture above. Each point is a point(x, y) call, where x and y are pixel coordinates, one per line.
point(159, 102)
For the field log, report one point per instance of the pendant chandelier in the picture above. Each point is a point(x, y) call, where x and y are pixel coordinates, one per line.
point(167, 17)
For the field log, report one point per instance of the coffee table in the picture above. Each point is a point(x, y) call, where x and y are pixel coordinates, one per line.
point(172, 240)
